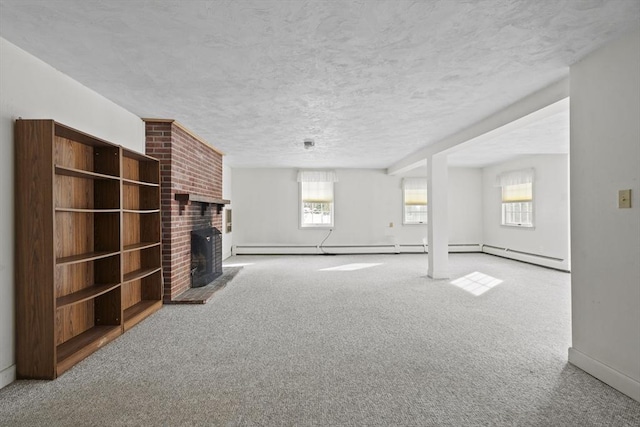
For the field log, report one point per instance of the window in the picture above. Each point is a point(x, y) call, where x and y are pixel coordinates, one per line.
point(414, 195)
point(316, 198)
point(517, 198)
point(317, 204)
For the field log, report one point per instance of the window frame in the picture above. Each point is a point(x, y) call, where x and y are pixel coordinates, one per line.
point(504, 205)
point(405, 221)
point(301, 210)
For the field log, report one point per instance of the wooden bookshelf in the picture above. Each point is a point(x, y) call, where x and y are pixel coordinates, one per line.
point(142, 268)
point(88, 257)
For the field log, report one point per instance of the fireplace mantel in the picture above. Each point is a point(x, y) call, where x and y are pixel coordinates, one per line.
point(205, 201)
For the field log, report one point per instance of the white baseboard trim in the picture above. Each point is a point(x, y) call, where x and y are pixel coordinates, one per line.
point(346, 249)
point(275, 250)
point(7, 376)
point(279, 249)
point(464, 247)
point(364, 249)
point(606, 374)
point(541, 260)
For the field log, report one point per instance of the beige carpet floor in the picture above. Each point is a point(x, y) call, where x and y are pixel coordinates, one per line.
point(341, 341)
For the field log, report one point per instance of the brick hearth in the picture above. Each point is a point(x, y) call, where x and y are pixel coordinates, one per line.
point(187, 165)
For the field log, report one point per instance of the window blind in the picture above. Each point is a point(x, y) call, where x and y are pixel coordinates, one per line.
point(517, 193)
point(517, 177)
point(317, 176)
point(317, 185)
point(317, 192)
point(415, 191)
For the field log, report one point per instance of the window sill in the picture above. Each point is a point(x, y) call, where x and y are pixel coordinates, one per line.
point(527, 227)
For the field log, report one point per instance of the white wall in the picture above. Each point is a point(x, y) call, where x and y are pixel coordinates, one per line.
point(550, 235)
point(366, 202)
point(227, 238)
point(465, 206)
point(32, 89)
point(605, 157)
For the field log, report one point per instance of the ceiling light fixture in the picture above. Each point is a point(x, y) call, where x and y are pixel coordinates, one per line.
point(308, 143)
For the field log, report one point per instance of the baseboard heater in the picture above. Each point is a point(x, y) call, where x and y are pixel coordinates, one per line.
point(347, 249)
point(528, 257)
point(531, 258)
point(313, 249)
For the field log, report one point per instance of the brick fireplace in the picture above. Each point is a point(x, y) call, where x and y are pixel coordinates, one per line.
point(191, 196)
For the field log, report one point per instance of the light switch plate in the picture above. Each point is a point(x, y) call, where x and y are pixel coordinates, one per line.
point(624, 199)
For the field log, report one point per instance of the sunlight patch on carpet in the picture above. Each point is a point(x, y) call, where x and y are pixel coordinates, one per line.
point(351, 267)
point(239, 264)
point(476, 283)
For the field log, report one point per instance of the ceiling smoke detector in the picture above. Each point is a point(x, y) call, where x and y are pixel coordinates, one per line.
point(308, 143)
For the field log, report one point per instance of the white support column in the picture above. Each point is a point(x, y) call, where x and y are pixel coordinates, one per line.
point(438, 216)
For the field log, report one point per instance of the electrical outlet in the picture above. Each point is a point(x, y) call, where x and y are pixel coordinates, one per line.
point(624, 199)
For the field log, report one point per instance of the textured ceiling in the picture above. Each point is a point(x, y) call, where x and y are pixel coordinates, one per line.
point(369, 81)
point(549, 135)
